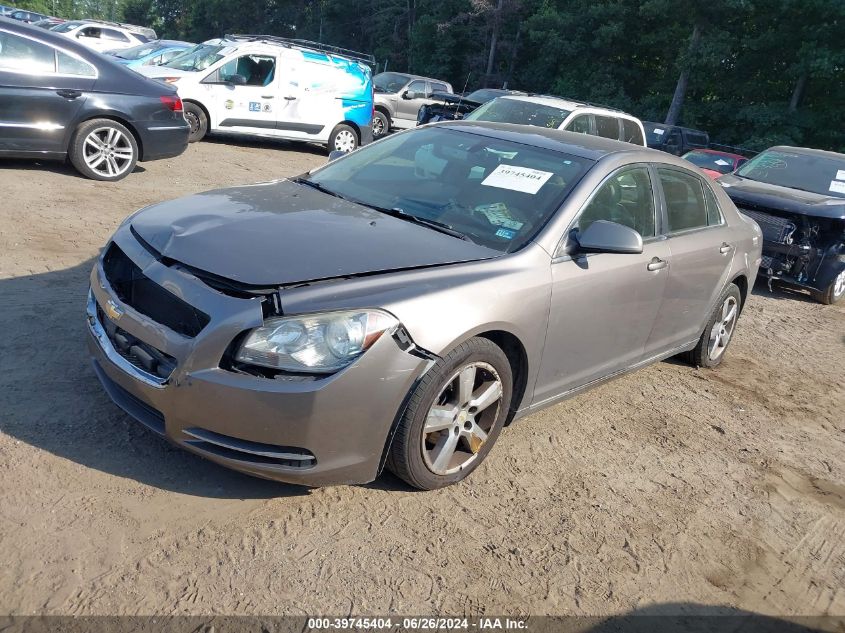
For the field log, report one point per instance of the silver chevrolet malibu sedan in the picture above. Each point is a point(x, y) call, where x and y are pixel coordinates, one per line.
point(402, 304)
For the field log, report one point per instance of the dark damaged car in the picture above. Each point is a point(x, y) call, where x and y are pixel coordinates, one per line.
point(452, 107)
point(401, 304)
point(797, 196)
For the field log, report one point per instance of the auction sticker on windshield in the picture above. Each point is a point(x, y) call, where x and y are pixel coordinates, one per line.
point(517, 178)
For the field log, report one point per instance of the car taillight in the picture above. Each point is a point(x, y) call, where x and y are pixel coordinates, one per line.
point(172, 103)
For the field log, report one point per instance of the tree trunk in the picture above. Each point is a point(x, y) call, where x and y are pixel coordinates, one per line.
point(493, 39)
point(683, 80)
point(514, 53)
point(798, 93)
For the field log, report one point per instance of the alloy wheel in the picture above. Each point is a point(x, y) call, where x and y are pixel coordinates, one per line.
point(108, 151)
point(378, 126)
point(461, 418)
point(723, 328)
point(345, 141)
point(839, 285)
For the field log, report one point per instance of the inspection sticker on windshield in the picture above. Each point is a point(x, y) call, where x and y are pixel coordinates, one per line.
point(837, 185)
point(517, 178)
point(721, 161)
point(658, 131)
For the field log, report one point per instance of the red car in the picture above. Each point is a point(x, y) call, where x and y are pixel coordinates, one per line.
point(715, 163)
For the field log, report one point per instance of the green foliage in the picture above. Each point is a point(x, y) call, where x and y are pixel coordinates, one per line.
point(762, 71)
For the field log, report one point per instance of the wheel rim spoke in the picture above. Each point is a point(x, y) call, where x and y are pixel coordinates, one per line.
point(466, 382)
point(94, 160)
point(440, 417)
point(486, 395)
point(729, 319)
point(444, 451)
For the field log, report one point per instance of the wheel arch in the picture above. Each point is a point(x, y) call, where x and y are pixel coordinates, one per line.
point(202, 107)
point(741, 282)
point(514, 349)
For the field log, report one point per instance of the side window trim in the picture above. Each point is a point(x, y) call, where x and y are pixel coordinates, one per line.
point(561, 255)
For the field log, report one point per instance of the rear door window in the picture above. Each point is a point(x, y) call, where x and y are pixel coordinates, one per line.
point(686, 208)
point(114, 36)
point(22, 54)
point(439, 87)
point(607, 126)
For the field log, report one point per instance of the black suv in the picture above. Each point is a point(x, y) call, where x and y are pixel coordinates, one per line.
point(61, 100)
point(674, 139)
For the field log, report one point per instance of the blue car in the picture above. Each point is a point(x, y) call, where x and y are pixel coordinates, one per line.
point(150, 54)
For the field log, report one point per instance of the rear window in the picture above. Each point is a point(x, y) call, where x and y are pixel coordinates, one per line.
point(655, 133)
point(504, 110)
point(607, 126)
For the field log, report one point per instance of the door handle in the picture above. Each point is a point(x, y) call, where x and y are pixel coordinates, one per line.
point(725, 248)
point(69, 94)
point(267, 96)
point(656, 264)
point(290, 98)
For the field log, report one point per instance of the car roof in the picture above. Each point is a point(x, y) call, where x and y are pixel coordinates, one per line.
point(809, 151)
point(567, 104)
point(574, 143)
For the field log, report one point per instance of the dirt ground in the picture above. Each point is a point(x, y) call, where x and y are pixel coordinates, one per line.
point(666, 489)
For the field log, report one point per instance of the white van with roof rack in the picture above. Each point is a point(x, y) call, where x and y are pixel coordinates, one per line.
point(268, 86)
point(562, 114)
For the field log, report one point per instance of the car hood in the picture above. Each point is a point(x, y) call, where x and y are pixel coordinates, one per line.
point(753, 194)
point(281, 233)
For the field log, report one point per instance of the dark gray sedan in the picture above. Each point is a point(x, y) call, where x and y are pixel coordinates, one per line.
point(402, 304)
point(59, 99)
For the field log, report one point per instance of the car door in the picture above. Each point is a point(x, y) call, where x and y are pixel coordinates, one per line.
point(604, 305)
point(43, 90)
point(242, 92)
point(408, 108)
point(701, 247)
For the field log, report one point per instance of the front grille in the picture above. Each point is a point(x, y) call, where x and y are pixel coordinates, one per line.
point(775, 228)
point(147, 297)
point(247, 451)
point(142, 355)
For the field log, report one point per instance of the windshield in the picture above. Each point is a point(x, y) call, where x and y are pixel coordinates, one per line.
point(484, 95)
point(504, 110)
point(496, 193)
point(707, 160)
point(64, 27)
point(199, 57)
point(389, 82)
point(655, 133)
point(807, 172)
point(137, 52)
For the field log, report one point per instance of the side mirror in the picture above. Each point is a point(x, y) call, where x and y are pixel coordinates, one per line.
point(609, 237)
point(237, 80)
point(335, 154)
point(409, 94)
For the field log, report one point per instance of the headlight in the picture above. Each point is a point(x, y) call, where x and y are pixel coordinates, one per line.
point(314, 343)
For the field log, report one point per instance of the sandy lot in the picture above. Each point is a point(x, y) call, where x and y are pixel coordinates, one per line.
point(672, 485)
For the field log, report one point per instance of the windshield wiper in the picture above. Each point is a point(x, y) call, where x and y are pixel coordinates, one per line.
point(317, 186)
point(442, 227)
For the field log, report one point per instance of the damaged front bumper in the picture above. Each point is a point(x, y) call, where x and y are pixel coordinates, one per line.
point(800, 250)
point(302, 429)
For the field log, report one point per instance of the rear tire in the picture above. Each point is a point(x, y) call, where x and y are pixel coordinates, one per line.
point(453, 417)
point(102, 149)
point(719, 331)
point(833, 293)
point(197, 119)
point(343, 139)
point(381, 124)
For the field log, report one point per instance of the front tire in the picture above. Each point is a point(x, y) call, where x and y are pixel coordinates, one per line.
point(833, 293)
point(343, 139)
point(454, 416)
point(719, 331)
point(102, 149)
point(197, 119)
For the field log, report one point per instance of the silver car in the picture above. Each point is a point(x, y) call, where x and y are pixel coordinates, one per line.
point(400, 305)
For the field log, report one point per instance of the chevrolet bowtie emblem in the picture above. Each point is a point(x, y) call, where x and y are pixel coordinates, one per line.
point(113, 311)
